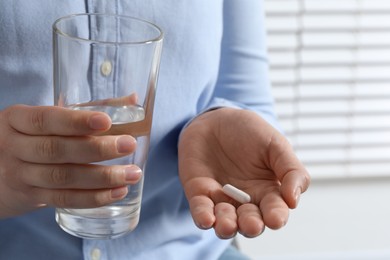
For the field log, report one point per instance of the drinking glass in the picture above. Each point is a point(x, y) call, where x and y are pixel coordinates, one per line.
point(108, 63)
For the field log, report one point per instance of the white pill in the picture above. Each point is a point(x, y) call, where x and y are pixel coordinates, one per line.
point(236, 193)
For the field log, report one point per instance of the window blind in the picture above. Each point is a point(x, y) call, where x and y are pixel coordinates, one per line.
point(330, 73)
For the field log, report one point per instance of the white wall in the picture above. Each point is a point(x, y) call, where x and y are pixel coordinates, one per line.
point(341, 219)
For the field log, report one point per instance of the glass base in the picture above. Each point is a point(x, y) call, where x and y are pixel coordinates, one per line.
point(96, 227)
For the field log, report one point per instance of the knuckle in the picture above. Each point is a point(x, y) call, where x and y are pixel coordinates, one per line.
point(37, 120)
point(5, 176)
point(3, 172)
point(5, 131)
point(10, 176)
point(4, 116)
point(33, 195)
point(74, 121)
point(108, 176)
point(48, 148)
point(102, 148)
point(92, 199)
point(60, 176)
point(8, 113)
point(100, 199)
point(4, 143)
point(61, 199)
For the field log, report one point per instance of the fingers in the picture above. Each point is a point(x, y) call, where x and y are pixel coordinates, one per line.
point(293, 185)
point(246, 219)
point(55, 149)
point(222, 216)
point(79, 176)
point(292, 174)
point(77, 186)
point(250, 221)
point(274, 210)
point(202, 211)
point(72, 186)
point(56, 121)
point(26, 198)
point(78, 198)
point(226, 220)
point(45, 152)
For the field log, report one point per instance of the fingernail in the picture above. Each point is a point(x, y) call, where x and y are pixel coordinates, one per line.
point(119, 192)
point(202, 225)
point(227, 236)
point(132, 173)
point(99, 122)
point(124, 144)
point(297, 195)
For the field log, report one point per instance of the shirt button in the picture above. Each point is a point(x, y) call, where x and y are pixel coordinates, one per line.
point(106, 68)
point(96, 254)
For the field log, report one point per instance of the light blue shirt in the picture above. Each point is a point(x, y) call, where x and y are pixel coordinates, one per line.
point(214, 55)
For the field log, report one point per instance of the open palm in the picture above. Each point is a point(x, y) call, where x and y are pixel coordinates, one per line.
point(240, 148)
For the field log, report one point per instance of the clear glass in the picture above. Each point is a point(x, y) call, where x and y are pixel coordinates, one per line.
point(108, 63)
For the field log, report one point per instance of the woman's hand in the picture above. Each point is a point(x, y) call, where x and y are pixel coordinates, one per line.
point(46, 155)
point(240, 148)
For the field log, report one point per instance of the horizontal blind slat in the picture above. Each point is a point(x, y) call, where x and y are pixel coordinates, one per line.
point(330, 74)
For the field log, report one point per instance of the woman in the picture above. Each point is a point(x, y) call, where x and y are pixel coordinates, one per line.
point(212, 125)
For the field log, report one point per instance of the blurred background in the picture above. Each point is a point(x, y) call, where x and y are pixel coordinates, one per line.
point(330, 72)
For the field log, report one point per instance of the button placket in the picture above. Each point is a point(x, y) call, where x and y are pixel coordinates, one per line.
point(103, 73)
point(106, 68)
point(96, 254)
point(104, 57)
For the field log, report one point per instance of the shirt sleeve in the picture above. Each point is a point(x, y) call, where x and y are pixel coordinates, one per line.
point(243, 80)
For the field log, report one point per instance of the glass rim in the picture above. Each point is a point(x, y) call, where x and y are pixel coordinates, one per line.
point(56, 30)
